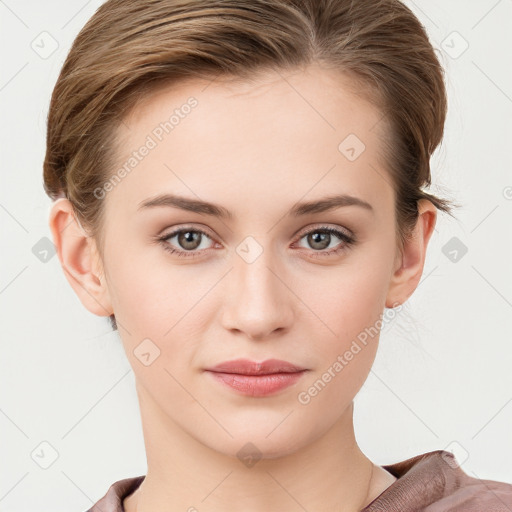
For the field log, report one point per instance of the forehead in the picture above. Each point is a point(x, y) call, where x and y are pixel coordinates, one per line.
point(298, 131)
point(314, 86)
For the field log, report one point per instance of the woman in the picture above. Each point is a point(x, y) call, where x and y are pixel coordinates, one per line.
point(239, 188)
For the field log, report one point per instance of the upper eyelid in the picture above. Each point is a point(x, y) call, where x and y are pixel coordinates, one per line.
point(186, 227)
point(343, 230)
point(175, 232)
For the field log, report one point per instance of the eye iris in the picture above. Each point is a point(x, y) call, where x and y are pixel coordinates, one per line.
point(186, 239)
point(321, 238)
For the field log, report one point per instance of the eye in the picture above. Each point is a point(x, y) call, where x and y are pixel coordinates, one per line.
point(321, 238)
point(189, 242)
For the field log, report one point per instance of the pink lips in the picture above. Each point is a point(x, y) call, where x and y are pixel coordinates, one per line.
point(257, 379)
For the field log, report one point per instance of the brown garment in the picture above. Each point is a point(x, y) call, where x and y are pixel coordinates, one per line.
point(430, 482)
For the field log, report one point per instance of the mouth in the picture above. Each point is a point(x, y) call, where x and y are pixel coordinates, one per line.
point(257, 379)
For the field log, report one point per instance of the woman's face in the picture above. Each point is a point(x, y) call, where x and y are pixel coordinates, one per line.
point(246, 280)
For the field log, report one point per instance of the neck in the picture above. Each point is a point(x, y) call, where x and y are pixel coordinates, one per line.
point(330, 473)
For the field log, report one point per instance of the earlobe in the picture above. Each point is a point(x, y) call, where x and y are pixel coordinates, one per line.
point(408, 273)
point(79, 259)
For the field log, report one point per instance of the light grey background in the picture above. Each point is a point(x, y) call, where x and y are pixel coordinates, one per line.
point(442, 378)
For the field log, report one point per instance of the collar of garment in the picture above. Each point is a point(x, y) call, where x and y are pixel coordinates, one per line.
point(430, 482)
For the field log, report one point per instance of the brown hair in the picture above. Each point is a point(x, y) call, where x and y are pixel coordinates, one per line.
point(129, 48)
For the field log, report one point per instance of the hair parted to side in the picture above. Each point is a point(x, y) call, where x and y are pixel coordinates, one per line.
point(129, 48)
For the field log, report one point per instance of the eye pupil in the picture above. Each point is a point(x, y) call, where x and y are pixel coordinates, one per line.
point(319, 238)
point(186, 239)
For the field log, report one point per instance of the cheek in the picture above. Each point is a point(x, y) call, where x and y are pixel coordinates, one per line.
point(349, 299)
point(347, 350)
point(150, 295)
point(166, 304)
point(349, 305)
point(159, 309)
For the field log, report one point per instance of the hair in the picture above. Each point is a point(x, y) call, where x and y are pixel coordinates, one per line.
point(129, 49)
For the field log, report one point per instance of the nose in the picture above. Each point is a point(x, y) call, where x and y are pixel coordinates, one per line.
point(259, 302)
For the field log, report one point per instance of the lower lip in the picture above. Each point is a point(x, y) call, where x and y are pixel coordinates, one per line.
point(258, 385)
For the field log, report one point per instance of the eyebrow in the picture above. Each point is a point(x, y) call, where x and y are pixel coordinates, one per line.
point(202, 207)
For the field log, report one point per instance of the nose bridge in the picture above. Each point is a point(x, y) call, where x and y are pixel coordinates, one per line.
point(258, 301)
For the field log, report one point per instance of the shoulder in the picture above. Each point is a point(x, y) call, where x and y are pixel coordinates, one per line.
point(434, 482)
point(113, 499)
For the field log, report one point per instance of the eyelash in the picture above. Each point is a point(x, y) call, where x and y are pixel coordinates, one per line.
point(347, 240)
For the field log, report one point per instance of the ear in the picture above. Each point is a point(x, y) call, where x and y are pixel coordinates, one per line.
point(411, 260)
point(79, 258)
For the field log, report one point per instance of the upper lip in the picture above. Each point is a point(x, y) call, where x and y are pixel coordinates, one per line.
point(247, 367)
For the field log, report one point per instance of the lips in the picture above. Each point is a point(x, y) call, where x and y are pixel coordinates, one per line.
point(247, 367)
point(257, 379)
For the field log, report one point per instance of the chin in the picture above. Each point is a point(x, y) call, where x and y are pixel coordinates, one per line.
point(256, 444)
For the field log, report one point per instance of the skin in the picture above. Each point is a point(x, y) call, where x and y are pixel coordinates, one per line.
point(255, 148)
